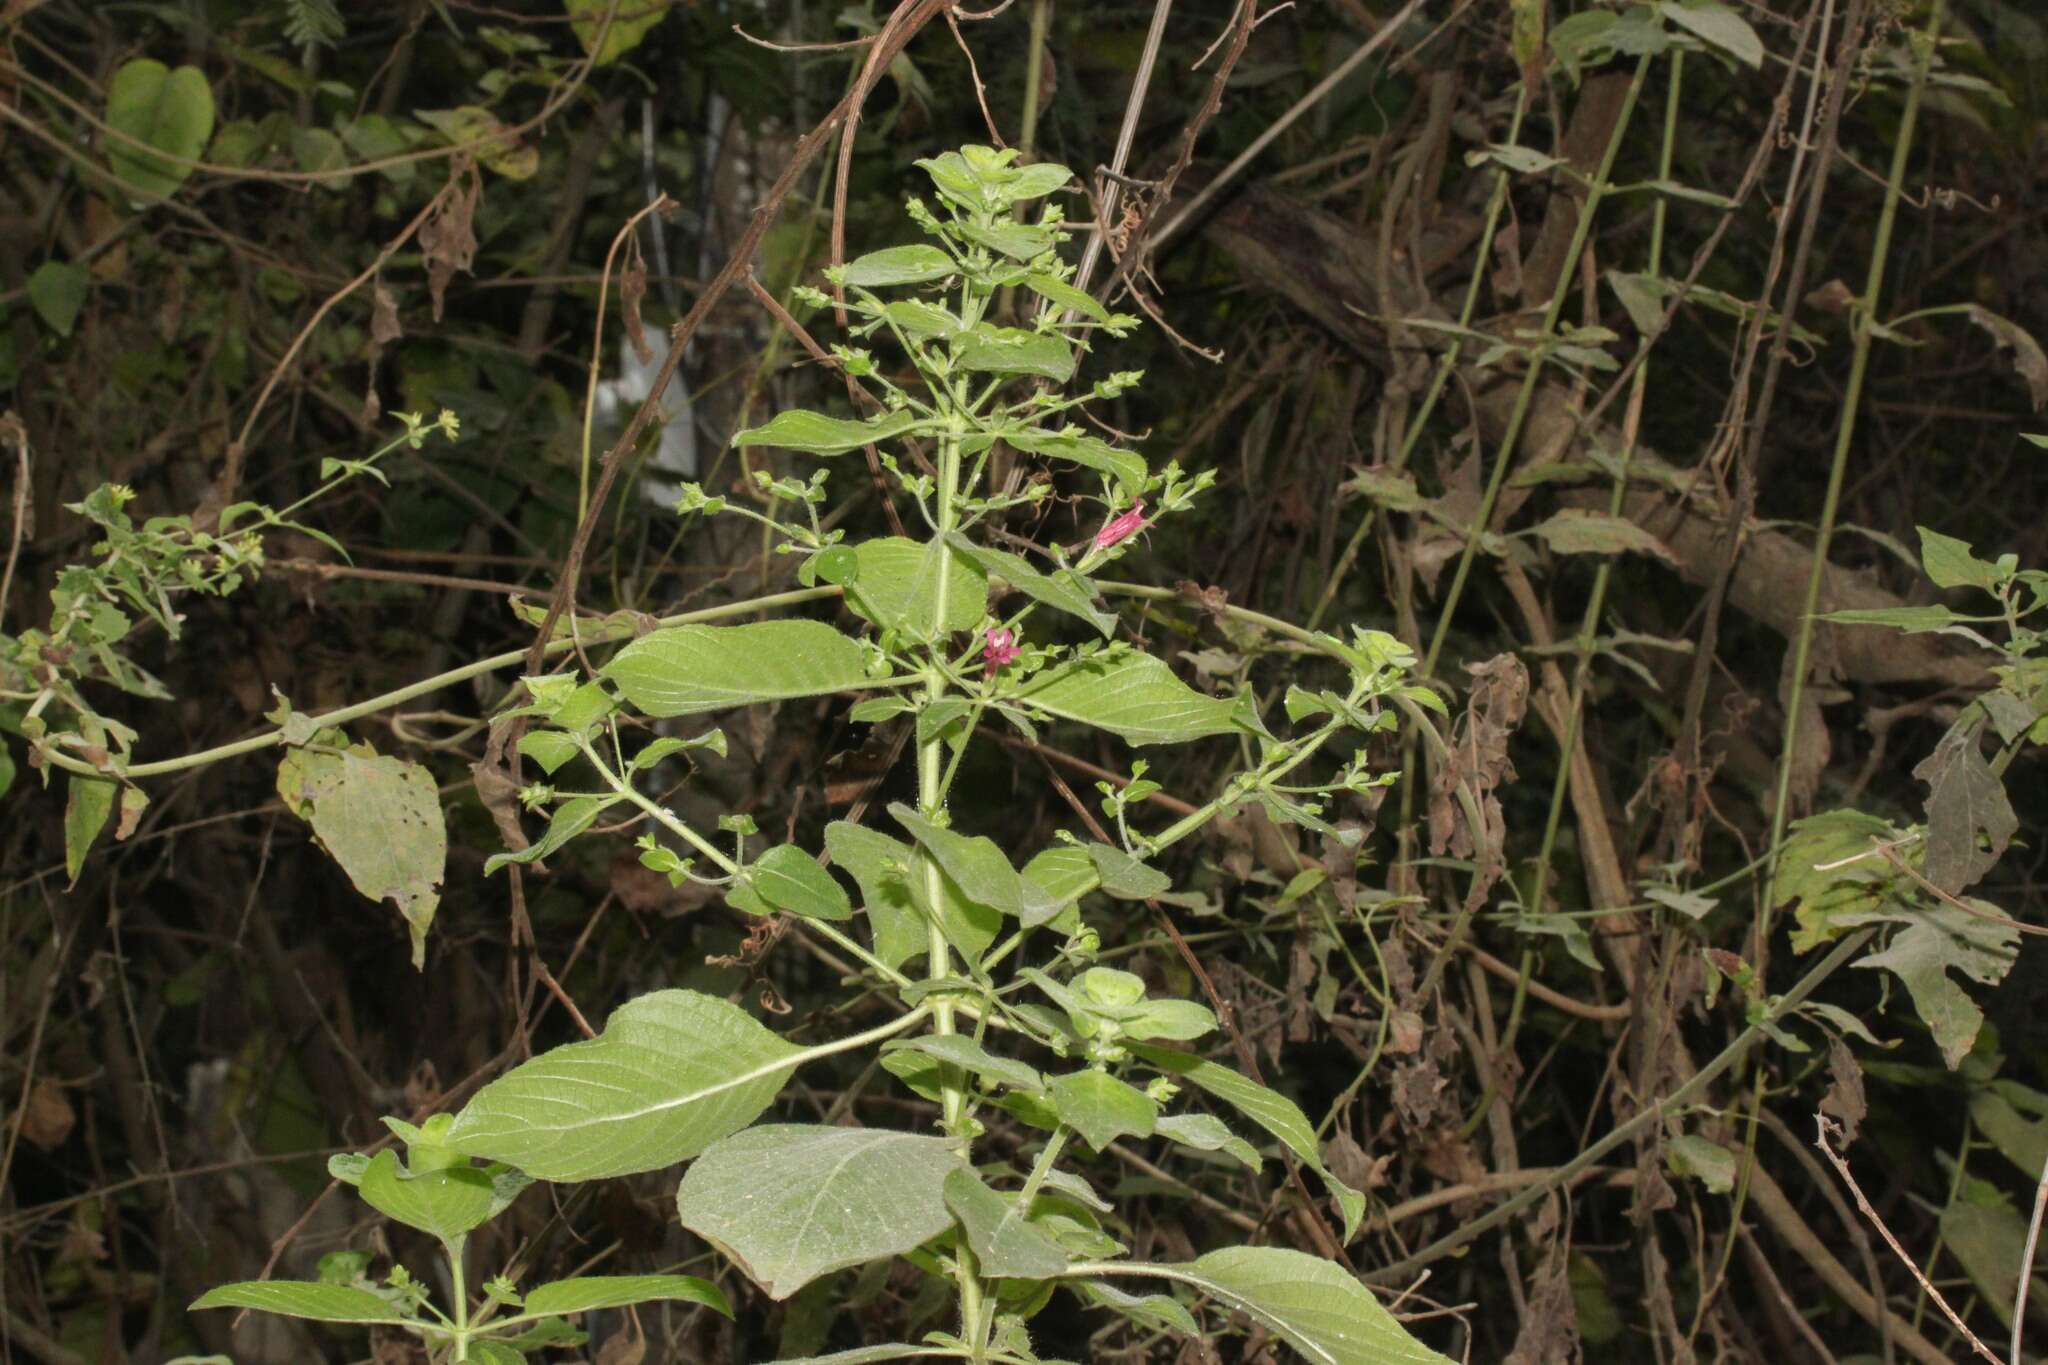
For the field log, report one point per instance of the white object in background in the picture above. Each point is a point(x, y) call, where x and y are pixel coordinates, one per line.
point(618, 399)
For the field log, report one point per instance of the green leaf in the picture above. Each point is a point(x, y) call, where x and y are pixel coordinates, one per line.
point(791, 1202)
point(1581, 531)
point(1179, 1021)
point(921, 321)
point(1269, 1109)
point(587, 1292)
point(1102, 1108)
point(6, 770)
point(57, 292)
point(1125, 877)
point(170, 111)
point(1704, 1159)
point(87, 804)
point(1207, 1133)
point(302, 1299)
point(444, 1204)
point(896, 924)
point(686, 669)
point(1316, 1307)
point(1090, 452)
point(1718, 27)
point(1012, 350)
point(1005, 1243)
point(817, 434)
point(1062, 590)
point(317, 151)
point(568, 820)
point(1911, 620)
point(673, 1072)
point(979, 869)
point(1135, 697)
point(379, 817)
point(1018, 241)
point(1950, 564)
point(791, 880)
point(494, 144)
point(970, 1057)
point(548, 748)
point(897, 587)
point(898, 265)
point(629, 25)
point(1065, 871)
point(1065, 297)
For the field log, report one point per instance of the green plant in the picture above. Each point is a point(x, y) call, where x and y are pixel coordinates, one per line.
point(1008, 1011)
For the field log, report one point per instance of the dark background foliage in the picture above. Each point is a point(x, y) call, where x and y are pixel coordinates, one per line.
point(211, 1008)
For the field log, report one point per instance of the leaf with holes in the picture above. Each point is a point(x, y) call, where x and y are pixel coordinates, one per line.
point(1965, 802)
point(378, 817)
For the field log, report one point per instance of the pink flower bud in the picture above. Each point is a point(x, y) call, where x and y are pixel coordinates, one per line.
point(1121, 527)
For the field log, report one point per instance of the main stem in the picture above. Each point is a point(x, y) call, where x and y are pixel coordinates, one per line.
point(931, 798)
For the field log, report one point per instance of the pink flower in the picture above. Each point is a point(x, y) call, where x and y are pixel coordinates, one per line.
point(1001, 649)
point(1121, 527)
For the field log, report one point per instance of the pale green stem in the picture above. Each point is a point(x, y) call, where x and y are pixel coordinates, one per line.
point(1864, 314)
point(591, 633)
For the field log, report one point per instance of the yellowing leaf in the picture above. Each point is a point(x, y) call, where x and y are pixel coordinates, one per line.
point(377, 816)
point(631, 20)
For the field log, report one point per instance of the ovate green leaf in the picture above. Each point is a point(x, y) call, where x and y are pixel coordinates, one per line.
point(1102, 1108)
point(302, 1299)
point(1135, 697)
point(791, 880)
point(87, 804)
point(686, 669)
point(817, 434)
point(1062, 590)
point(791, 1202)
point(1090, 452)
point(1315, 1307)
point(897, 926)
point(1719, 27)
point(979, 868)
point(57, 292)
point(672, 1072)
point(1950, 564)
point(898, 265)
point(170, 111)
point(444, 1204)
point(587, 1292)
point(897, 587)
point(1012, 350)
point(1005, 1243)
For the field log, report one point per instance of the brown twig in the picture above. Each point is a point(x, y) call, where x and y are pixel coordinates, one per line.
point(1823, 1127)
